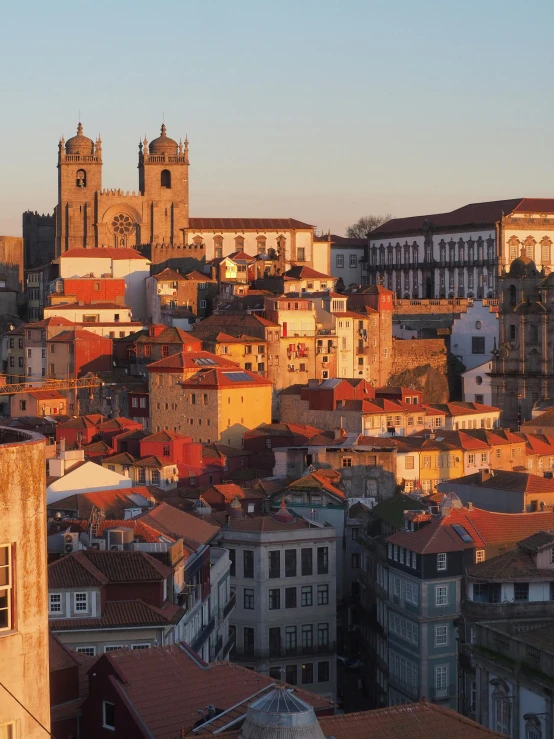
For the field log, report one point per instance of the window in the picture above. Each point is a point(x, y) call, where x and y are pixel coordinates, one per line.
point(323, 672)
point(80, 601)
point(89, 651)
point(441, 636)
point(108, 715)
point(274, 599)
point(306, 598)
point(291, 674)
point(441, 561)
point(340, 261)
point(477, 344)
point(81, 178)
point(521, 591)
point(275, 564)
point(347, 462)
point(355, 561)
point(290, 638)
point(248, 636)
point(290, 597)
point(248, 563)
point(409, 462)
point(355, 533)
point(353, 261)
point(479, 555)
point(471, 458)
point(441, 681)
point(248, 599)
point(502, 715)
point(202, 303)
point(22, 405)
point(307, 673)
point(155, 477)
point(54, 603)
point(306, 557)
point(112, 647)
point(290, 562)
point(323, 635)
point(322, 595)
point(441, 595)
point(322, 560)
point(7, 731)
point(6, 588)
point(300, 254)
point(307, 636)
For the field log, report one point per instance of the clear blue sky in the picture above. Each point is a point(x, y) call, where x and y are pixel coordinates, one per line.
point(322, 110)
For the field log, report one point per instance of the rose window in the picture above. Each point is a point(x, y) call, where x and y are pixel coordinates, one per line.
point(122, 224)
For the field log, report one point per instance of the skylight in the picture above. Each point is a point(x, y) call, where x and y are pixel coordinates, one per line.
point(464, 535)
point(204, 360)
point(238, 376)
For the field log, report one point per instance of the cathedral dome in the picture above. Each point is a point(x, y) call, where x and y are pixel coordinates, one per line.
point(523, 266)
point(163, 144)
point(79, 144)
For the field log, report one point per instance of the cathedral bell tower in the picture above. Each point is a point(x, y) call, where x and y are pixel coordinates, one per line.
point(79, 178)
point(164, 184)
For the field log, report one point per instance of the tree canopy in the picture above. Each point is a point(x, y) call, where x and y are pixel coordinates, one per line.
point(365, 224)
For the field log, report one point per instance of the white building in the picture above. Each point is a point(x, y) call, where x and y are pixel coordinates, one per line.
point(125, 263)
point(461, 253)
point(283, 571)
point(347, 260)
point(69, 474)
point(475, 333)
point(477, 384)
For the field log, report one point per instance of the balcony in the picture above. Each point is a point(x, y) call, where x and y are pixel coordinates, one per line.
point(278, 652)
point(408, 688)
point(203, 635)
point(443, 694)
point(230, 605)
point(229, 644)
point(520, 609)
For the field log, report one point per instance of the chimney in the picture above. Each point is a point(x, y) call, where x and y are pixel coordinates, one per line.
point(470, 506)
point(338, 433)
point(235, 509)
point(62, 444)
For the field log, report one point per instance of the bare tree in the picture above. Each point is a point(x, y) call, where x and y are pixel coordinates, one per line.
point(365, 224)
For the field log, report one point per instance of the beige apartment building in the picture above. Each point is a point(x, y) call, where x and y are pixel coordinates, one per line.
point(24, 692)
point(283, 571)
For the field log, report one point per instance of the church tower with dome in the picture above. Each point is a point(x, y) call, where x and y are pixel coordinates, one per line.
point(88, 216)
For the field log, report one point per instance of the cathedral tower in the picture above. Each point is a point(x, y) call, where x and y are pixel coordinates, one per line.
point(79, 178)
point(163, 180)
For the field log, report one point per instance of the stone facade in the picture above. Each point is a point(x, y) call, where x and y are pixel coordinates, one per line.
point(89, 216)
point(38, 238)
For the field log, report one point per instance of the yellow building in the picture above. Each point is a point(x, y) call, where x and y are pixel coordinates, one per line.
point(438, 461)
point(248, 352)
point(214, 404)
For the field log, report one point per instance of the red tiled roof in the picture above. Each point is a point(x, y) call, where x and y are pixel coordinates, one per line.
point(485, 527)
point(220, 377)
point(190, 360)
point(51, 321)
point(319, 480)
point(169, 335)
point(82, 422)
point(77, 333)
point(112, 501)
point(219, 320)
point(122, 613)
point(282, 429)
point(535, 205)
point(46, 395)
point(468, 215)
point(178, 524)
point(509, 566)
point(168, 274)
point(417, 720)
point(167, 685)
point(462, 409)
point(262, 523)
point(545, 419)
point(90, 567)
point(60, 657)
point(103, 253)
point(306, 273)
point(74, 571)
point(165, 436)
point(516, 482)
point(246, 224)
point(143, 530)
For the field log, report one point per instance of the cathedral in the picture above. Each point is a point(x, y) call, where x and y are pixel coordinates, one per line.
point(155, 218)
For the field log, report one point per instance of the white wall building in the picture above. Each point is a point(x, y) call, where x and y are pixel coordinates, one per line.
point(69, 474)
point(347, 259)
point(123, 263)
point(477, 384)
point(475, 333)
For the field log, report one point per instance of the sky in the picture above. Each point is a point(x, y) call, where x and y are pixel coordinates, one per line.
point(320, 110)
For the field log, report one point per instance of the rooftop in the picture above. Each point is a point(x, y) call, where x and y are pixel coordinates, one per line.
point(247, 224)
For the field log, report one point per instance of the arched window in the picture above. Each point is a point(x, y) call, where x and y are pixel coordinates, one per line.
point(501, 707)
point(239, 243)
point(414, 253)
point(218, 247)
point(166, 179)
point(260, 244)
point(546, 243)
point(81, 178)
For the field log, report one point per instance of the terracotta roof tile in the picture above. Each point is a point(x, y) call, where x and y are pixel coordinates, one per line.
point(190, 360)
point(177, 523)
point(417, 720)
point(245, 224)
point(112, 501)
point(121, 613)
point(102, 253)
point(167, 685)
point(514, 565)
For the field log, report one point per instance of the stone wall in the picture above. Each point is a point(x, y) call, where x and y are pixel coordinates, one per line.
point(425, 365)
